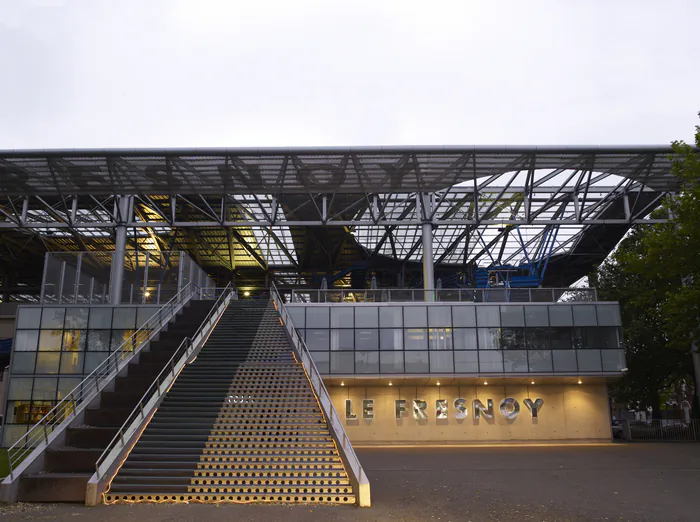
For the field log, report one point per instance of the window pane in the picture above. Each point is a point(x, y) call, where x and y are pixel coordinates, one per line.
point(317, 317)
point(20, 388)
point(28, 317)
point(391, 362)
point(439, 316)
point(39, 410)
point(45, 388)
point(416, 339)
point(342, 362)
point(50, 340)
point(23, 362)
point(536, 316)
point(66, 385)
point(144, 313)
point(17, 412)
point(415, 316)
point(298, 315)
point(491, 361)
point(464, 338)
point(92, 360)
point(322, 361)
point(53, 317)
point(317, 340)
point(603, 337)
point(515, 361)
point(366, 338)
point(489, 338)
point(366, 362)
point(464, 315)
point(98, 341)
point(390, 316)
point(74, 340)
point(342, 339)
point(585, 315)
point(560, 315)
point(72, 362)
point(124, 318)
point(512, 339)
point(578, 338)
point(26, 341)
point(537, 338)
point(441, 362)
point(540, 360)
point(341, 317)
point(467, 362)
point(488, 316)
point(391, 339)
point(512, 316)
point(564, 360)
point(417, 362)
point(589, 360)
point(561, 338)
point(608, 315)
point(77, 317)
point(366, 317)
point(119, 337)
point(47, 362)
point(100, 318)
point(613, 360)
point(440, 338)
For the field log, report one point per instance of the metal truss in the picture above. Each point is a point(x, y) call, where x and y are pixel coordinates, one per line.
point(266, 208)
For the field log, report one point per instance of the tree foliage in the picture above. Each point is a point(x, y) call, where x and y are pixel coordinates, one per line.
point(655, 275)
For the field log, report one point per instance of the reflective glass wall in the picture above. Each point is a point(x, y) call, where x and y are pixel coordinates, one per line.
point(462, 339)
point(54, 348)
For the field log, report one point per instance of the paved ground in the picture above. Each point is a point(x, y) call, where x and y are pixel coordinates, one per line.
point(640, 482)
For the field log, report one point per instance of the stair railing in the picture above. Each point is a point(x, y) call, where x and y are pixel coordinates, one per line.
point(32, 444)
point(120, 446)
point(356, 473)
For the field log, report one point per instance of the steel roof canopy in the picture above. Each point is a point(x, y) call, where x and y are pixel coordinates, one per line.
point(351, 170)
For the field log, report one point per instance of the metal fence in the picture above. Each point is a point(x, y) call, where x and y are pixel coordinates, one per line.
point(474, 295)
point(662, 430)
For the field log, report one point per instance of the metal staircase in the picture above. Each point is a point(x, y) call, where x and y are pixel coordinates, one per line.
point(240, 424)
point(62, 474)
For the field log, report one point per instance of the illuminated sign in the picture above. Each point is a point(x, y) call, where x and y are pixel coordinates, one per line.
point(509, 408)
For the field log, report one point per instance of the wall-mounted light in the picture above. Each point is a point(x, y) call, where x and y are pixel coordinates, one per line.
point(147, 294)
point(342, 383)
point(390, 383)
point(486, 383)
point(580, 381)
point(246, 293)
point(438, 383)
point(533, 382)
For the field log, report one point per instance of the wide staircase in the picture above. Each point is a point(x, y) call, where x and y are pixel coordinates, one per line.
point(240, 424)
point(67, 468)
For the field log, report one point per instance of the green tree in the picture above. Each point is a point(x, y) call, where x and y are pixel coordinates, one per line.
point(655, 275)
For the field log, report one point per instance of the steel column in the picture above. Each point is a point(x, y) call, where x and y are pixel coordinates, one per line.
point(119, 257)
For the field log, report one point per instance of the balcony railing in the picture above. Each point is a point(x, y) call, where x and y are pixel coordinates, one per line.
point(467, 295)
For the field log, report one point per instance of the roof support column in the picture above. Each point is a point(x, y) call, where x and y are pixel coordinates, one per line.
point(116, 280)
point(428, 272)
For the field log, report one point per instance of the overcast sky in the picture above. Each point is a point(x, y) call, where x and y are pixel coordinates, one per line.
point(146, 73)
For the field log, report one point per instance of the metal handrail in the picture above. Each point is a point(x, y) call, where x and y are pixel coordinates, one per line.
point(323, 396)
point(161, 384)
point(475, 295)
point(79, 397)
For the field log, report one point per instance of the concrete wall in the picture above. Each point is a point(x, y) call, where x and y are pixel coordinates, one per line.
point(569, 413)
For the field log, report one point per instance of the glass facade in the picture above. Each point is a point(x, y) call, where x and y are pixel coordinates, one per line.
point(462, 338)
point(54, 348)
